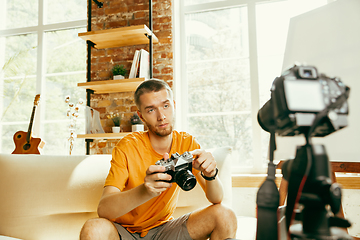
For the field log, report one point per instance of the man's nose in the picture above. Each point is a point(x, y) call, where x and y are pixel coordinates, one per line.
point(161, 116)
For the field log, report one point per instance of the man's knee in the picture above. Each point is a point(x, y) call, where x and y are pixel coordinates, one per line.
point(224, 214)
point(98, 228)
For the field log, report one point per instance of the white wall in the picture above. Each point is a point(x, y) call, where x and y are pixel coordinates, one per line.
point(329, 39)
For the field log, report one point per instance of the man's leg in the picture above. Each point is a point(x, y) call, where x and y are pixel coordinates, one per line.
point(216, 222)
point(99, 229)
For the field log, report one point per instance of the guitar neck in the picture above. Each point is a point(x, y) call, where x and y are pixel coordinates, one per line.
point(28, 136)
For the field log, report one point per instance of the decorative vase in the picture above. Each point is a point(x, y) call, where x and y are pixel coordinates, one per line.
point(117, 77)
point(116, 129)
point(137, 127)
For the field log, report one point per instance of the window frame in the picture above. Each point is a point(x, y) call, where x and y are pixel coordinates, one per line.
point(40, 30)
point(181, 83)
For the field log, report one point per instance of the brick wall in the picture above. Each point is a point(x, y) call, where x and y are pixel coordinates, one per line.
point(120, 13)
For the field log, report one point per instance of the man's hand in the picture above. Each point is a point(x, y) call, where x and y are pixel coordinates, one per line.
point(205, 162)
point(155, 179)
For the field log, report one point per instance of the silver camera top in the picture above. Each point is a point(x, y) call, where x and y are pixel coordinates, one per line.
point(176, 159)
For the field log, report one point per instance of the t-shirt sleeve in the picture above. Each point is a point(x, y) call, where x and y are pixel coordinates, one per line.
point(118, 174)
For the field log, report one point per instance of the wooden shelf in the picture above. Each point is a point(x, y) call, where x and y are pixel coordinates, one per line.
point(111, 86)
point(103, 135)
point(119, 37)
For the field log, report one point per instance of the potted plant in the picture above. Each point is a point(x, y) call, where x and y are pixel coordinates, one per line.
point(116, 118)
point(137, 124)
point(119, 72)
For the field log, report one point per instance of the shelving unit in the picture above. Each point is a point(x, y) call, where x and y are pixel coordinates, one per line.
point(111, 86)
point(111, 38)
point(103, 135)
point(119, 37)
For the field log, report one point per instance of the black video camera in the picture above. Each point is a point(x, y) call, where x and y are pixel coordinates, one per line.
point(180, 169)
point(297, 96)
point(303, 102)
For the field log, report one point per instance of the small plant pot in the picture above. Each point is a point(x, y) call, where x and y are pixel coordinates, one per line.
point(137, 127)
point(115, 129)
point(117, 77)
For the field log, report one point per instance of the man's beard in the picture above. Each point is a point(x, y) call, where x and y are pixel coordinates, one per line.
point(160, 132)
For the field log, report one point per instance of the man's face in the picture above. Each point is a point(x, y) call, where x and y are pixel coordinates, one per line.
point(157, 112)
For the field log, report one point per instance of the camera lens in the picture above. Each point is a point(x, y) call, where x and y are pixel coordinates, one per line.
point(185, 179)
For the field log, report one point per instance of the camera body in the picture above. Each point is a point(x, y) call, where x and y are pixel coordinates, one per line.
point(180, 169)
point(297, 96)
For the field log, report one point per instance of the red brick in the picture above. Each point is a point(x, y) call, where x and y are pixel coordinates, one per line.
point(104, 74)
point(166, 70)
point(133, 109)
point(119, 13)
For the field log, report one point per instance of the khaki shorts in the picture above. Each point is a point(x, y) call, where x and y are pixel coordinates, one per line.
point(173, 230)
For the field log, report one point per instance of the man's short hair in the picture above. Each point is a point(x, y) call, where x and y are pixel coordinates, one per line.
point(152, 85)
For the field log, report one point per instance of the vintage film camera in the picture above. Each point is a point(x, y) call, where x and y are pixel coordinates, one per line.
point(180, 167)
point(303, 102)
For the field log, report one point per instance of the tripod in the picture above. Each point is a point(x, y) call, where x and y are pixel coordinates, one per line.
point(311, 188)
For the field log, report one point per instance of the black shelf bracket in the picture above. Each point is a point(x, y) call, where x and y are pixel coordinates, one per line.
point(151, 39)
point(99, 4)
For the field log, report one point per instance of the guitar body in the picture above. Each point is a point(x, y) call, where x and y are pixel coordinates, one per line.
point(24, 147)
point(24, 143)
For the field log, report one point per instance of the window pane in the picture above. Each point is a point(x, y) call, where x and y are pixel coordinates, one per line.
point(227, 90)
point(65, 10)
point(18, 55)
point(226, 130)
point(18, 13)
point(56, 137)
point(18, 88)
point(65, 67)
point(217, 65)
point(65, 51)
point(18, 77)
point(57, 88)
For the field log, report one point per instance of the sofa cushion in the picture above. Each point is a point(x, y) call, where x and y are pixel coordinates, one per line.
point(49, 197)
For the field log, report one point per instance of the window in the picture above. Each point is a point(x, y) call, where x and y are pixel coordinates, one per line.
point(230, 52)
point(40, 53)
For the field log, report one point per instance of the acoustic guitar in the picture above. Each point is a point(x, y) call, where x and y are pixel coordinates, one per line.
point(24, 143)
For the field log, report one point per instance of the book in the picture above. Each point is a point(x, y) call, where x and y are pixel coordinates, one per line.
point(134, 65)
point(144, 69)
point(93, 124)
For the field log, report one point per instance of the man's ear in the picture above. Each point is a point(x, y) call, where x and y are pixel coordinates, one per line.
point(140, 115)
point(174, 104)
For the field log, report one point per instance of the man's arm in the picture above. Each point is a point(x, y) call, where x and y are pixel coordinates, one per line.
point(205, 163)
point(115, 203)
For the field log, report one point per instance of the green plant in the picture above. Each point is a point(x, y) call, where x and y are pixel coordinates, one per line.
point(119, 70)
point(115, 117)
point(135, 119)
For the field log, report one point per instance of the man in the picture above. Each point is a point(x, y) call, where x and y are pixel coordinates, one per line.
point(138, 200)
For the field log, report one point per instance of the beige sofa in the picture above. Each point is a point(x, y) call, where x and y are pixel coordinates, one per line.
point(47, 197)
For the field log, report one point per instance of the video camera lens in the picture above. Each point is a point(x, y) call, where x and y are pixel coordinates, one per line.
point(185, 179)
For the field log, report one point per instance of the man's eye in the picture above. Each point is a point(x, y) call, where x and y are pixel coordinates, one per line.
point(166, 105)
